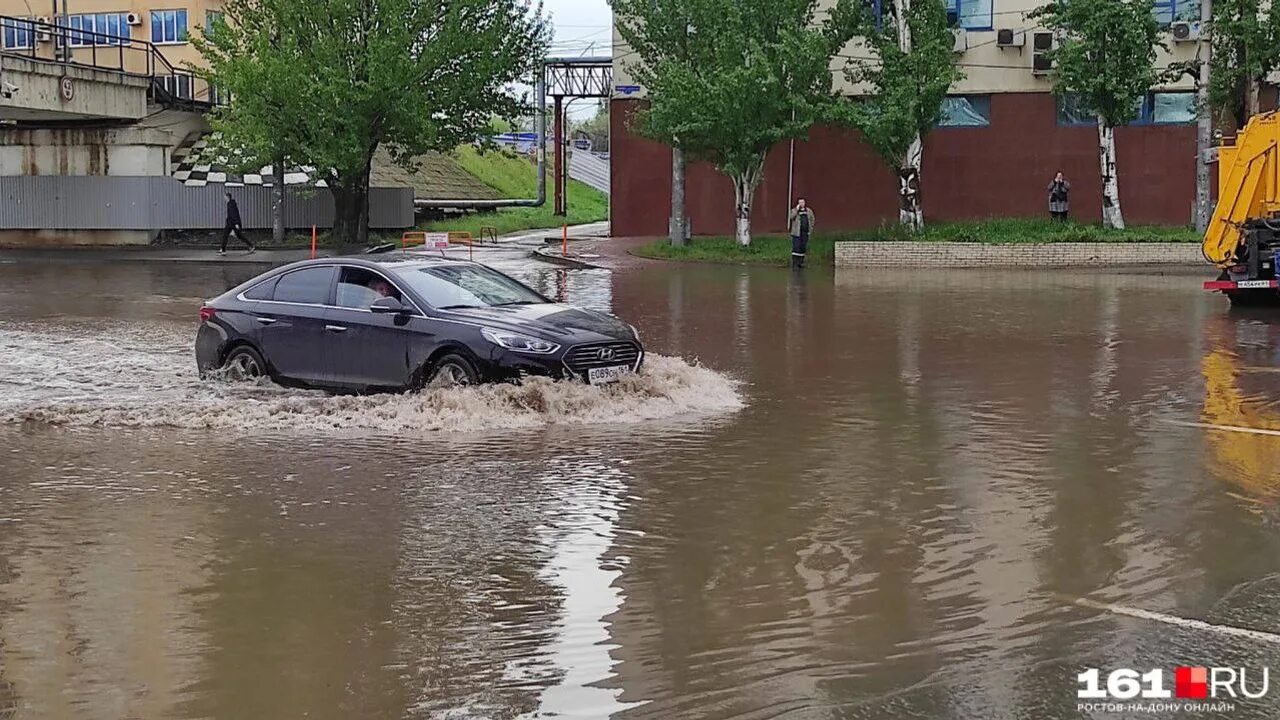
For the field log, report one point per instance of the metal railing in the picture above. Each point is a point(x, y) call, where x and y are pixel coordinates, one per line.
point(170, 86)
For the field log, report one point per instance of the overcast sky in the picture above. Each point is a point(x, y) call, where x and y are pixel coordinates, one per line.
point(578, 23)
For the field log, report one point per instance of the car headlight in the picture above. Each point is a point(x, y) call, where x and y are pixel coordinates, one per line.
point(518, 342)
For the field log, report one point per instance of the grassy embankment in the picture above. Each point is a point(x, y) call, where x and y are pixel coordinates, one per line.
point(513, 177)
point(516, 177)
point(776, 249)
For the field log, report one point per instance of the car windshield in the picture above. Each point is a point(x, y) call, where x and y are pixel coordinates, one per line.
point(454, 286)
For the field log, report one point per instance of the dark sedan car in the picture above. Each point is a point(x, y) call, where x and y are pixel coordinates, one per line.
point(401, 322)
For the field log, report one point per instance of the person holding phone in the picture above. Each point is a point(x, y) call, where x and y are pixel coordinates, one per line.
point(800, 222)
point(1059, 190)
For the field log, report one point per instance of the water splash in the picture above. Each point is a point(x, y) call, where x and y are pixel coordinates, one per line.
point(147, 378)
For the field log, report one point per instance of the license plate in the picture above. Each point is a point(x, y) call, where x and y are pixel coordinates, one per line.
point(605, 375)
point(1246, 284)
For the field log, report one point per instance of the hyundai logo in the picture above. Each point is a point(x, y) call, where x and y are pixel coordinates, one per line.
point(605, 354)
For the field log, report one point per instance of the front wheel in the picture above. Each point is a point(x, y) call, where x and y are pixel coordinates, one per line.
point(244, 363)
point(452, 370)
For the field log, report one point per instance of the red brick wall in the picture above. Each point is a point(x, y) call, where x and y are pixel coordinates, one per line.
point(999, 170)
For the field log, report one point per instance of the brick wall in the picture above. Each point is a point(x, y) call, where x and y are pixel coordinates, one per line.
point(1030, 255)
point(1002, 170)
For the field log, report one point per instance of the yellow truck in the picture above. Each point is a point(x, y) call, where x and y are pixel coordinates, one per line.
point(1243, 238)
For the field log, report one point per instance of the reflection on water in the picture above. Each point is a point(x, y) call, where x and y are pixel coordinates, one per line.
point(922, 472)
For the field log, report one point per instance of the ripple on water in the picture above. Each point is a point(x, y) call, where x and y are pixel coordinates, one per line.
point(146, 378)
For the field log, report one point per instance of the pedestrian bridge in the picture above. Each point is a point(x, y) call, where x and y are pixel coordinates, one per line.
point(42, 91)
point(63, 76)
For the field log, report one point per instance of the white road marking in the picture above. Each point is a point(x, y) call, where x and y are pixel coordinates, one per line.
point(1179, 621)
point(1229, 428)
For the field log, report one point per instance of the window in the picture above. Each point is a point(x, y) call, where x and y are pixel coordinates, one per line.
point(971, 14)
point(966, 111)
point(179, 86)
point(1167, 11)
point(211, 20)
point(359, 288)
point(1158, 108)
point(168, 26)
point(446, 286)
point(310, 286)
point(262, 291)
point(100, 29)
point(1168, 108)
point(968, 14)
point(18, 35)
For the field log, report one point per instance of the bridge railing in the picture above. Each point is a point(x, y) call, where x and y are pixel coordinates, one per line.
point(57, 43)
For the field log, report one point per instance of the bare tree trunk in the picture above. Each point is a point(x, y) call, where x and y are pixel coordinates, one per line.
point(909, 207)
point(910, 210)
point(1111, 215)
point(351, 207)
point(744, 193)
point(1253, 103)
point(277, 205)
point(678, 222)
point(1204, 124)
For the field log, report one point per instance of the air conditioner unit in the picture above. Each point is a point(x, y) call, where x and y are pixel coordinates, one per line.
point(1041, 64)
point(1042, 41)
point(960, 40)
point(1011, 38)
point(133, 18)
point(1185, 31)
point(43, 33)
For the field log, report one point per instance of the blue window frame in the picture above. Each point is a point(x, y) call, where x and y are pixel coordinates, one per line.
point(97, 29)
point(211, 20)
point(1168, 11)
point(168, 26)
point(966, 111)
point(969, 14)
point(1173, 108)
point(18, 35)
point(1158, 108)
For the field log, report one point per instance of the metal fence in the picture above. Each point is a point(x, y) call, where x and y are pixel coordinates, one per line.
point(161, 203)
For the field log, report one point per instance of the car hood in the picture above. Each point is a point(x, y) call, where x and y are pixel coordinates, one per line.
point(552, 320)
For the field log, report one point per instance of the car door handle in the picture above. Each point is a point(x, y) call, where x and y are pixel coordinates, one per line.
point(335, 328)
point(267, 321)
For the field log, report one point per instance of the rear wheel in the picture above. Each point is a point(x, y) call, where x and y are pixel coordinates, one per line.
point(245, 363)
point(452, 370)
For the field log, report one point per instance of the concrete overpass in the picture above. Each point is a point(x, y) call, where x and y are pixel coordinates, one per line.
point(43, 91)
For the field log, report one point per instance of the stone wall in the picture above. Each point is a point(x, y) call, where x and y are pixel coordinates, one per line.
point(1027, 255)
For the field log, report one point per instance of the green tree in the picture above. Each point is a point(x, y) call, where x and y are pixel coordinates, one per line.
point(660, 34)
point(756, 72)
point(1245, 50)
point(912, 68)
point(1105, 60)
point(331, 81)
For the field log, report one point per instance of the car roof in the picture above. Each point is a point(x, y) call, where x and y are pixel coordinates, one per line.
point(393, 261)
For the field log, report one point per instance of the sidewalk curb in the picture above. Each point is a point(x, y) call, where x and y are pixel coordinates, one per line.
point(549, 255)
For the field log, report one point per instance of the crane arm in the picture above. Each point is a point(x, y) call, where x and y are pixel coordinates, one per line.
point(1247, 187)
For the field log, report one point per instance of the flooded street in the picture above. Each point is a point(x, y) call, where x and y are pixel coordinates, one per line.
point(929, 495)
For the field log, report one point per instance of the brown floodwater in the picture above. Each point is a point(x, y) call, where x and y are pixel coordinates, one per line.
point(859, 496)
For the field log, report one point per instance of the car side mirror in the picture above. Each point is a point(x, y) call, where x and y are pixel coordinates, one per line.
point(387, 306)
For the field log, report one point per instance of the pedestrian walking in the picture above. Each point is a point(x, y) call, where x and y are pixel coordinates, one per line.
point(1058, 192)
point(800, 222)
point(233, 226)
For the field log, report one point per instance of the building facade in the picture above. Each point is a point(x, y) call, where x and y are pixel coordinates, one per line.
point(1003, 137)
point(117, 33)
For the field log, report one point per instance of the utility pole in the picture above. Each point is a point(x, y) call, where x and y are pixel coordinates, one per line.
point(1204, 123)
